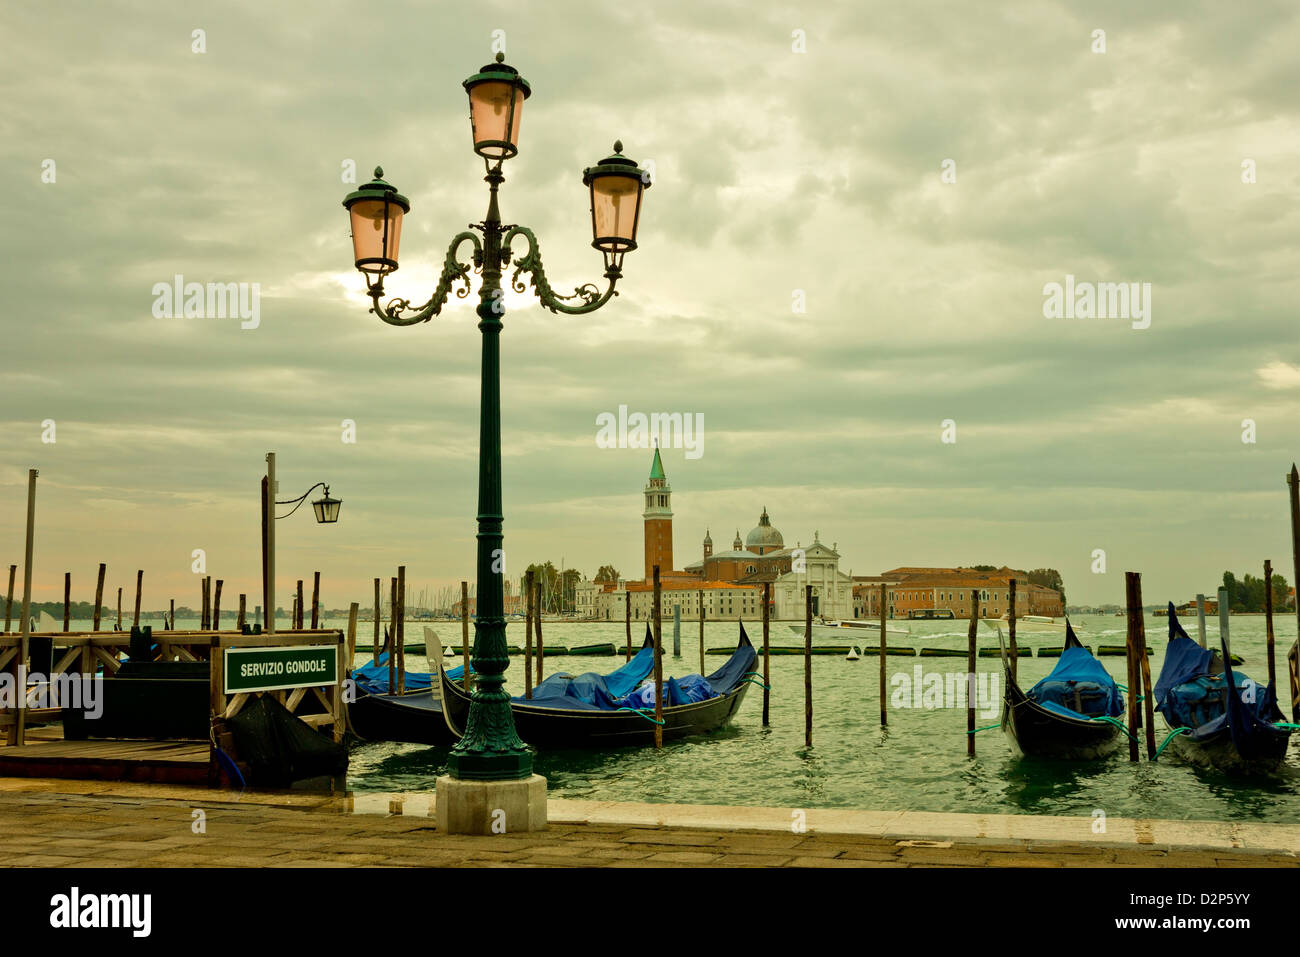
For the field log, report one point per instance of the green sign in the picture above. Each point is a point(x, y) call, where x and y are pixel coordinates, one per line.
point(275, 669)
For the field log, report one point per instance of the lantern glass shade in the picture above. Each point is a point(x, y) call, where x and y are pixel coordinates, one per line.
point(495, 107)
point(376, 234)
point(615, 209)
point(327, 509)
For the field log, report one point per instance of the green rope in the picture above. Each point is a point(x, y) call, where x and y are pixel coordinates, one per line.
point(1172, 734)
point(641, 711)
point(989, 728)
point(1108, 719)
point(753, 680)
point(1287, 726)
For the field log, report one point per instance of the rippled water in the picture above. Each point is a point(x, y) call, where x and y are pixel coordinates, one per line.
point(919, 763)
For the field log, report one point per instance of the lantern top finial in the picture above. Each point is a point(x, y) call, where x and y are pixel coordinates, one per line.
point(501, 57)
point(618, 146)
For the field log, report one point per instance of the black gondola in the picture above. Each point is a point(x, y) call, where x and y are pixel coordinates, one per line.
point(1042, 724)
point(558, 727)
point(1217, 718)
point(414, 717)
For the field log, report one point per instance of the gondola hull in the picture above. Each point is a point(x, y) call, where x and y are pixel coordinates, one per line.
point(1036, 732)
point(415, 717)
point(1218, 752)
point(555, 728)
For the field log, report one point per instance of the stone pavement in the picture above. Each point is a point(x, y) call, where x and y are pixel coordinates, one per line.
point(101, 823)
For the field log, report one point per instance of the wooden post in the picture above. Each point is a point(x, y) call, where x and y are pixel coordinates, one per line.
point(1268, 622)
point(119, 608)
point(884, 680)
point(401, 629)
point(807, 666)
point(139, 586)
point(767, 657)
point(99, 593)
point(18, 731)
point(1144, 665)
point(269, 612)
point(302, 606)
point(243, 607)
point(464, 633)
point(1011, 627)
point(205, 595)
point(970, 671)
point(701, 631)
point(171, 616)
point(377, 603)
point(1134, 673)
point(315, 601)
point(1225, 605)
point(1200, 619)
point(659, 665)
point(528, 634)
point(67, 601)
point(216, 606)
point(352, 634)
point(1293, 481)
point(9, 598)
point(627, 618)
point(392, 635)
point(537, 623)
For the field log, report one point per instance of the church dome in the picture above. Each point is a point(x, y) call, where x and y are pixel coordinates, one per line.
point(764, 536)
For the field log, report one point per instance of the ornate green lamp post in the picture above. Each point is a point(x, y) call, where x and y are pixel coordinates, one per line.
point(490, 749)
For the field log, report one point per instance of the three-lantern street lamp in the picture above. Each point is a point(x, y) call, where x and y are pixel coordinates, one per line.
point(490, 749)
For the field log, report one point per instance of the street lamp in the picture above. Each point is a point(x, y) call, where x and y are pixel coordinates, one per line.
point(327, 513)
point(490, 749)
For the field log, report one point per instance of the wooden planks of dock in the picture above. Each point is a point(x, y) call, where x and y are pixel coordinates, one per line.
point(166, 762)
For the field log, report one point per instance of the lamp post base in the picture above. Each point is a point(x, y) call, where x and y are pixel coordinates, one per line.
point(490, 807)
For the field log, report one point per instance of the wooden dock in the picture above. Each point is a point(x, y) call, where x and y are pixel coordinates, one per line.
point(159, 762)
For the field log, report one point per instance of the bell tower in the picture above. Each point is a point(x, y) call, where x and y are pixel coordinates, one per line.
point(658, 517)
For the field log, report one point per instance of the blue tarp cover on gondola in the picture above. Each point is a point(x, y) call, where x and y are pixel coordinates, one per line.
point(373, 678)
point(592, 691)
point(1190, 697)
point(1078, 679)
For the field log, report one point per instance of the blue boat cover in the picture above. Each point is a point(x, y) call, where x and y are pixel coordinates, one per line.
point(1190, 697)
point(628, 688)
point(1078, 679)
point(373, 678)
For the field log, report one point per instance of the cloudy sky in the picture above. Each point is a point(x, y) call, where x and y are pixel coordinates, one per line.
point(777, 171)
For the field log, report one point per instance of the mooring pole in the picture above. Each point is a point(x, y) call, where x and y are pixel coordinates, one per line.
point(464, 634)
point(139, 586)
point(99, 593)
point(1134, 674)
point(315, 601)
point(9, 598)
point(119, 608)
point(19, 730)
point(767, 674)
point(1225, 603)
point(1011, 627)
point(659, 665)
point(970, 671)
point(627, 618)
point(378, 602)
point(529, 597)
point(677, 629)
point(807, 666)
point(1293, 481)
point(1268, 622)
point(701, 631)
point(67, 602)
point(1200, 619)
point(392, 635)
point(400, 615)
point(1144, 665)
point(216, 605)
point(884, 680)
point(243, 616)
point(537, 623)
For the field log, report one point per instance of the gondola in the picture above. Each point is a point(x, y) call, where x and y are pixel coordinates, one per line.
point(1218, 718)
point(1071, 714)
point(582, 713)
point(416, 716)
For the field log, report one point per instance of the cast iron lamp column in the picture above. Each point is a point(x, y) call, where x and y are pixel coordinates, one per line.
point(490, 749)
